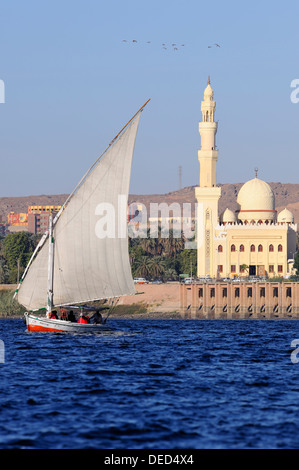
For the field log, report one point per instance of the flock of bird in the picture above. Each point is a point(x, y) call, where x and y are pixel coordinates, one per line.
point(173, 46)
point(164, 46)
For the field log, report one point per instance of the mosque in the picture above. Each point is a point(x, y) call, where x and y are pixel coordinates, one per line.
point(255, 240)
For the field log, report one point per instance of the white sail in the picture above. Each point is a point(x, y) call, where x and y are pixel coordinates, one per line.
point(88, 266)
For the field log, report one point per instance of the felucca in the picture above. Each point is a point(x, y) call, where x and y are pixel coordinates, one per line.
point(74, 263)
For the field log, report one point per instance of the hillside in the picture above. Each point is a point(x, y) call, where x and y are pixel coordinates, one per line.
point(286, 195)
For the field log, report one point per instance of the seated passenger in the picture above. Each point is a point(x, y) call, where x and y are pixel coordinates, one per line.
point(71, 317)
point(82, 319)
point(54, 315)
point(96, 318)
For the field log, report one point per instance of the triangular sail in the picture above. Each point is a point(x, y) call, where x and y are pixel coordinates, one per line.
point(87, 264)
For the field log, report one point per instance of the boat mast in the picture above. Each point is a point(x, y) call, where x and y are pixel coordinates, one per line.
point(50, 267)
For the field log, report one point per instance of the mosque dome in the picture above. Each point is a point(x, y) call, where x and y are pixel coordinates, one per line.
point(285, 216)
point(228, 217)
point(257, 202)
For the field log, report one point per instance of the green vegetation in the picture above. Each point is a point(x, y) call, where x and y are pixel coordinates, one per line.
point(161, 258)
point(244, 268)
point(15, 252)
point(129, 309)
point(8, 306)
point(296, 263)
point(152, 258)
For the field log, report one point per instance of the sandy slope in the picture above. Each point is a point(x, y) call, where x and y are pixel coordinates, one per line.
point(155, 297)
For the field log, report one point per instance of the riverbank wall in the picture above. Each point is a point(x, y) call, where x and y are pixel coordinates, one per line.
point(212, 300)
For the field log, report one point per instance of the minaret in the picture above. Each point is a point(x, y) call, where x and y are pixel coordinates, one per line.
point(207, 194)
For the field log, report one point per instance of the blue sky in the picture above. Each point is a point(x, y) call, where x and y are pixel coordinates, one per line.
point(71, 83)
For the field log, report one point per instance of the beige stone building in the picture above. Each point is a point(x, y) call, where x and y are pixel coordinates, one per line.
point(253, 241)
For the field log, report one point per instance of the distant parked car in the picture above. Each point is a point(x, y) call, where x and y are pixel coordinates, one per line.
point(140, 280)
point(189, 280)
point(205, 279)
point(157, 281)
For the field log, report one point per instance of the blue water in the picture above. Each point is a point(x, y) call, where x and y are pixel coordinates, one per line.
point(151, 384)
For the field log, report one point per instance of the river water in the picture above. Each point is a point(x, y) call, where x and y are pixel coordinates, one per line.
point(151, 384)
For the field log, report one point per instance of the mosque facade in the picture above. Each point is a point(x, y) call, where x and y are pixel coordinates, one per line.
point(255, 240)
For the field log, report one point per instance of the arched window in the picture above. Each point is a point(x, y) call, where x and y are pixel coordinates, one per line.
point(260, 248)
point(271, 248)
point(252, 248)
point(220, 248)
point(242, 248)
point(280, 248)
point(233, 248)
point(207, 116)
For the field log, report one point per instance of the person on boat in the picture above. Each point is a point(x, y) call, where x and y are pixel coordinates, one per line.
point(71, 317)
point(63, 315)
point(53, 315)
point(82, 318)
point(96, 318)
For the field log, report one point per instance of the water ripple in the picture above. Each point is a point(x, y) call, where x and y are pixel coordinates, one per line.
point(151, 384)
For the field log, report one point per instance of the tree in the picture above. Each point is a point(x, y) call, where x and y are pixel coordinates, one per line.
point(296, 263)
point(244, 267)
point(156, 267)
point(173, 246)
point(4, 272)
point(143, 267)
point(170, 275)
point(17, 249)
point(148, 245)
point(188, 262)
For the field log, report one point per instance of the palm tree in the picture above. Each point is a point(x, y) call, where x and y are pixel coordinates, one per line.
point(157, 267)
point(143, 267)
point(174, 246)
point(149, 245)
point(170, 275)
point(244, 267)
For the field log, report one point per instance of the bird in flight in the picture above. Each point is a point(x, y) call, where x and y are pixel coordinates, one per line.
point(216, 45)
point(175, 47)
